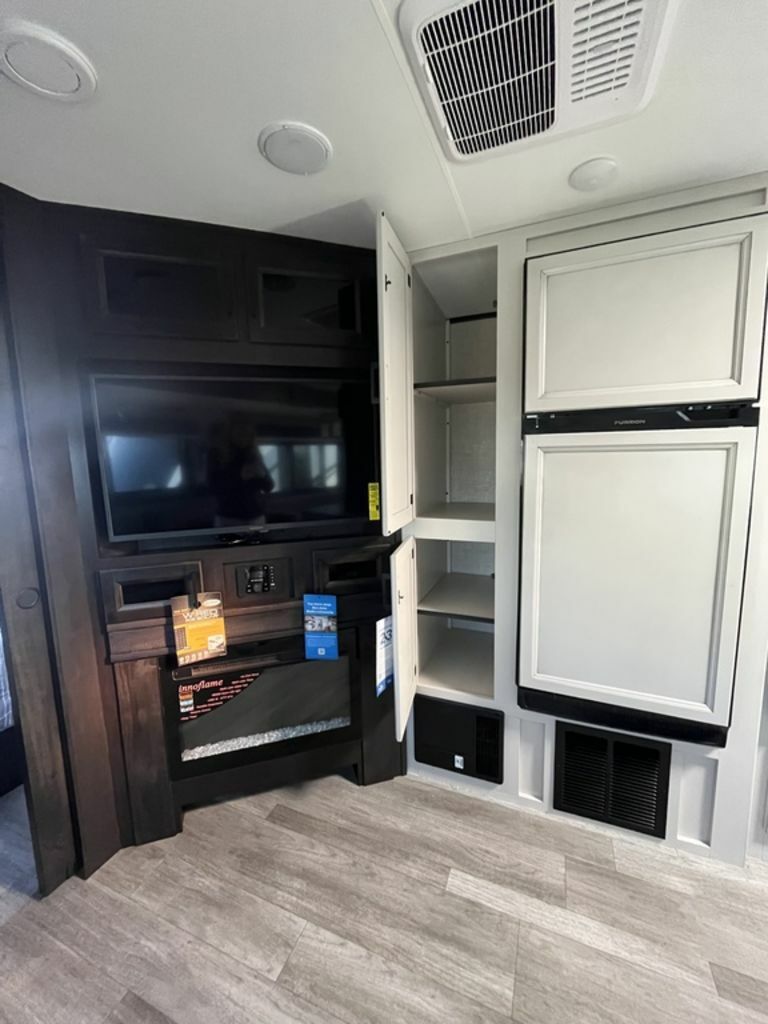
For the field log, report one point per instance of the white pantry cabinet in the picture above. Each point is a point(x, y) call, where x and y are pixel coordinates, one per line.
point(633, 550)
point(442, 615)
point(669, 318)
point(437, 356)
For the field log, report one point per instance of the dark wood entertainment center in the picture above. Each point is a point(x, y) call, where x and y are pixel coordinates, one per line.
point(88, 292)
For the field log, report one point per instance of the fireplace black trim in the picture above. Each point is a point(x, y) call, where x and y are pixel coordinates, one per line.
point(257, 777)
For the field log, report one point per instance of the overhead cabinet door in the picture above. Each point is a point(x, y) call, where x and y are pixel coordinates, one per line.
point(674, 317)
point(633, 553)
point(404, 632)
point(396, 378)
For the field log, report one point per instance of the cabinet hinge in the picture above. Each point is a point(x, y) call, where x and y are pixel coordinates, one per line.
point(411, 499)
point(409, 280)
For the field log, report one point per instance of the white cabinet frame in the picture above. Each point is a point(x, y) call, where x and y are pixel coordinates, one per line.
point(668, 318)
point(549, 626)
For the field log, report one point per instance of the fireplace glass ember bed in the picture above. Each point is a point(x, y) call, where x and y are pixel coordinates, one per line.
point(264, 700)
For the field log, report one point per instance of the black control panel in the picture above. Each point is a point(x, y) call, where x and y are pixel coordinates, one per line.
point(267, 579)
point(260, 578)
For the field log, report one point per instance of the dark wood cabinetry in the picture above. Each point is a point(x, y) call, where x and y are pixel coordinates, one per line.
point(94, 291)
point(167, 288)
point(194, 283)
point(299, 294)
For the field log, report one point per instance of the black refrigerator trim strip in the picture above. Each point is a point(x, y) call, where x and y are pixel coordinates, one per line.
point(675, 417)
point(646, 723)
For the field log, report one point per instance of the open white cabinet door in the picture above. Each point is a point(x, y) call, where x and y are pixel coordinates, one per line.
point(404, 632)
point(396, 378)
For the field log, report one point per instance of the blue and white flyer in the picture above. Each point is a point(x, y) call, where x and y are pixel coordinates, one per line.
point(321, 638)
point(385, 673)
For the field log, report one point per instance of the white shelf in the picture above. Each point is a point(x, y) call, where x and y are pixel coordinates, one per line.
point(462, 663)
point(460, 392)
point(461, 594)
point(457, 520)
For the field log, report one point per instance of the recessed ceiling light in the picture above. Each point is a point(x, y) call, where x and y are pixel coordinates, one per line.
point(294, 147)
point(42, 61)
point(593, 174)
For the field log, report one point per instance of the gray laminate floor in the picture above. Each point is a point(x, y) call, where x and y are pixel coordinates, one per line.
point(18, 880)
point(398, 903)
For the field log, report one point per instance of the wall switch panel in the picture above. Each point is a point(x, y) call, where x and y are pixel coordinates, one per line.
point(263, 579)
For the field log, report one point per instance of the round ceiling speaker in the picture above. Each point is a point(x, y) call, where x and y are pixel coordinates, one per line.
point(593, 174)
point(294, 147)
point(42, 61)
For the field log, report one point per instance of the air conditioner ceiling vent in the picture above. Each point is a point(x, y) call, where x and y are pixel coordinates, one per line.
point(495, 73)
point(493, 69)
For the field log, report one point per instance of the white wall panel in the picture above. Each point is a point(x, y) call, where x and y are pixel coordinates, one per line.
point(531, 755)
point(698, 778)
point(473, 452)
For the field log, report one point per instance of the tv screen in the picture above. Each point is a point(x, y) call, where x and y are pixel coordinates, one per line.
point(217, 455)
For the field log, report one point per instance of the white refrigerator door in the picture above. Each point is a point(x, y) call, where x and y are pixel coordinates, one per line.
point(633, 550)
point(673, 317)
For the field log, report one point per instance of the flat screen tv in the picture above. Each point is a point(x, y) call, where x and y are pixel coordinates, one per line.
point(214, 455)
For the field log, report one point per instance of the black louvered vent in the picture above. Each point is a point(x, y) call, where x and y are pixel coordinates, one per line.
point(585, 773)
point(488, 747)
point(459, 737)
point(492, 64)
point(612, 778)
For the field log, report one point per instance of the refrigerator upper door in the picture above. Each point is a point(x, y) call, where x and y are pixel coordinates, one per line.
point(633, 551)
point(670, 318)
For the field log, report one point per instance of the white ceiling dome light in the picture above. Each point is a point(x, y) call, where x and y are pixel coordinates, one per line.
point(45, 63)
point(295, 147)
point(593, 174)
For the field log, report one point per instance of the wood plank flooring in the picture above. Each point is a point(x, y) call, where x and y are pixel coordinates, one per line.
point(333, 904)
point(18, 879)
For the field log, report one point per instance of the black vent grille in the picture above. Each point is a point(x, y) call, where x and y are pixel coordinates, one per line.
point(459, 737)
point(488, 746)
point(612, 778)
point(492, 64)
point(585, 773)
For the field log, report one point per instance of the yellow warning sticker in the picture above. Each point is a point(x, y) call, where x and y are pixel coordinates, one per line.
point(374, 506)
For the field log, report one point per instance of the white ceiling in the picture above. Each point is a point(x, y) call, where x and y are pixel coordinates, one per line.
point(184, 89)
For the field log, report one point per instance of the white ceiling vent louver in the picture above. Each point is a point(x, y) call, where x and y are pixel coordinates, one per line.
point(496, 73)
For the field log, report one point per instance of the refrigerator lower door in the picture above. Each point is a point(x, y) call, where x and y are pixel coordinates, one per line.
point(633, 551)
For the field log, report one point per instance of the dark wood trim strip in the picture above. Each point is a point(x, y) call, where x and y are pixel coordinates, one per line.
point(45, 418)
point(149, 784)
point(27, 649)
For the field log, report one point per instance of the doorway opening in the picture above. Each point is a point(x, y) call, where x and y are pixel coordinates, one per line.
point(18, 874)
